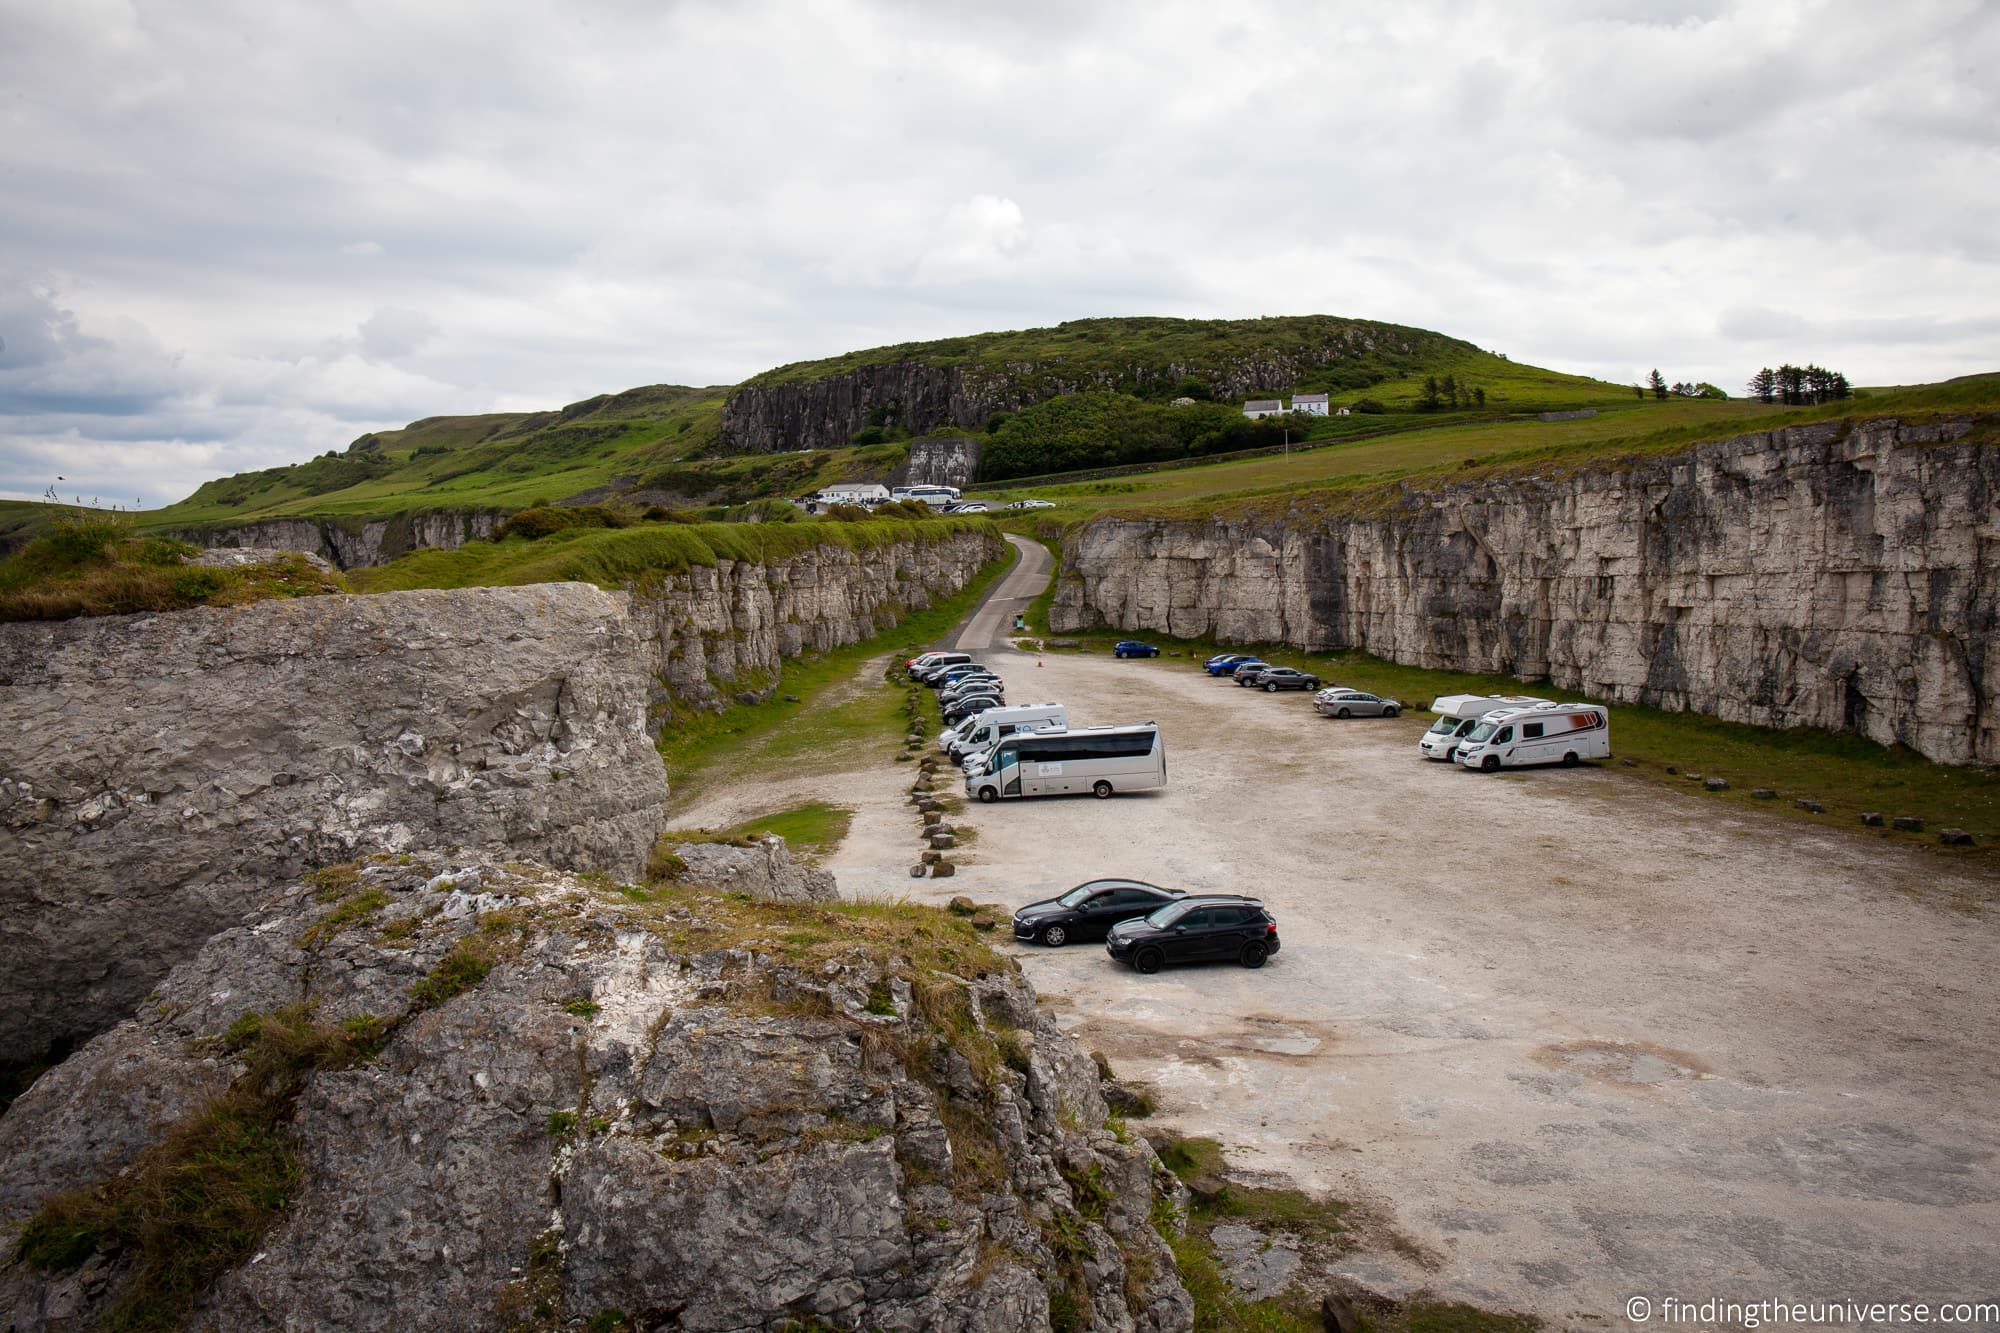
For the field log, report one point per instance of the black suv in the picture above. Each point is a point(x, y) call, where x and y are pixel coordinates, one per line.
point(1215, 927)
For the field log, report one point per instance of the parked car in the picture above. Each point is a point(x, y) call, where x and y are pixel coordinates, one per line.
point(1133, 648)
point(1279, 678)
point(978, 703)
point(969, 507)
point(1032, 503)
point(1248, 664)
point(965, 685)
point(937, 680)
point(1340, 701)
point(937, 664)
point(1090, 910)
point(1216, 927)
point(1222, 662)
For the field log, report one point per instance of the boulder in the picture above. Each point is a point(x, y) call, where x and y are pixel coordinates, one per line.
point(1813, 807)
point(1764, 793)
point(1907, 824)
point(765, 871)
point(942, 869)
point(1954, 837)
point(1872, 818)
point(1716, 784)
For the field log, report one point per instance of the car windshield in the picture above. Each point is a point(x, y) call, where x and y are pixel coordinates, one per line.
point(1444, 726)
point(1166, 916)
point(1481, 732)
point(1080, 895)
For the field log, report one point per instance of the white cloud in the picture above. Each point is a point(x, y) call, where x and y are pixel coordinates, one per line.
point(245, 234)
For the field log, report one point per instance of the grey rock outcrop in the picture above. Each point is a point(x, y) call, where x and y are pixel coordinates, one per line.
point(355, 544)
point(765, 871)
point(242, 557)
point(1825, 575)
point(713, 631)
point(940, 460)
point(662, 1108)
point(157, 771)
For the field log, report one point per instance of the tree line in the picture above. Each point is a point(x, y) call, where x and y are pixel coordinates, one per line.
point(1799, 386)
point(1447, 393)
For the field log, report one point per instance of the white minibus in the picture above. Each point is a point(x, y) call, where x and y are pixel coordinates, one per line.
point(1099, 760)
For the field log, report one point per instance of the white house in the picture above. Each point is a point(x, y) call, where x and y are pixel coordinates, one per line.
point(1312, 404)
point(866, 493)
point(1264, 407)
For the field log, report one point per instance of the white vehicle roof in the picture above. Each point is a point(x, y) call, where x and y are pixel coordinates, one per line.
point(1506, 715)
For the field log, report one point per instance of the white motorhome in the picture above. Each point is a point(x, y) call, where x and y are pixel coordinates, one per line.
point(1099, 760)
point(1458, 714)
point(1550, 733)
point(994, 725)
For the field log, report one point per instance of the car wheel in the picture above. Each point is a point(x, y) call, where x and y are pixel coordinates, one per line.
point(1148, 961)
point(1055, 936)
point(1490, 764)
point(1270, 687)
point(988, 796)
point(1101, 790)
point(1570, 760)
point(1343, 713)
point(1391, 712)
point(1254, 954)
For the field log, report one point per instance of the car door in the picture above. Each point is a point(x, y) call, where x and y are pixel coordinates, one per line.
point(1101, 912)
point(1190, 936)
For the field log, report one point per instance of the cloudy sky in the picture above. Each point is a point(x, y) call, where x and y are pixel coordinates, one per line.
point(237, 233)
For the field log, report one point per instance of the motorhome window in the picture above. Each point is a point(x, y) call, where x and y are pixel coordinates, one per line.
point(1506, 734)
point(1531, 731)
point(1481, 732)
point(1444, 726)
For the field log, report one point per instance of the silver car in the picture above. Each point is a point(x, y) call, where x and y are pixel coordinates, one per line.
point(1341, 701)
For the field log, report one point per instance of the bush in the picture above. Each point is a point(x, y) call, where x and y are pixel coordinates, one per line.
point(83, 536)
point(542, 520)
point(1370, 406)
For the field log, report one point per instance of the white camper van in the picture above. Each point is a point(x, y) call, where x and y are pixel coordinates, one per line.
point(1553, 733)
point(1099, 760)
point(985, 730)
point(1458, 714)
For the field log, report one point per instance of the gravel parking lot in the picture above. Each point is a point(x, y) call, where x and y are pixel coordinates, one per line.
point(1566, 1037)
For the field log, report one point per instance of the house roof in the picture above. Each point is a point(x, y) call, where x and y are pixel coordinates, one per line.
point(1308, 398)
point(854, 486)
point(1264, 405)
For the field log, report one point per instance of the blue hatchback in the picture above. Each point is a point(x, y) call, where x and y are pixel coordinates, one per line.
point(1133, 648)
point(1226, 663)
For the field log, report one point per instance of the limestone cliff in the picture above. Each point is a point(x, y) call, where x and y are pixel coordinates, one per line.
point(514, 1098)
point(719, 631)
point(157, 771)
point(1840, 575)
point(940, 460)
point(355, 545)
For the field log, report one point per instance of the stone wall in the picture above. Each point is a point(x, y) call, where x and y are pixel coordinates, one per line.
point(1834, 575)
point(355, 546)
point(156, 770)
point(717, 632)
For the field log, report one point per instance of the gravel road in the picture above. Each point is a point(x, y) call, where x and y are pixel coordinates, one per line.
point(1566, 1038)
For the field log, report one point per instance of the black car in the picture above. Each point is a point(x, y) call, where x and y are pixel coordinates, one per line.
point(1209, 928)
point(965, 708)
point(1090, 910)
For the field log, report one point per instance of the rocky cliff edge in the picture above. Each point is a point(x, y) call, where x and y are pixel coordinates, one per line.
point(485, 1094)
point(158, 771)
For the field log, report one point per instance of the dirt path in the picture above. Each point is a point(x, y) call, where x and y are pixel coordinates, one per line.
point(1576, 1038)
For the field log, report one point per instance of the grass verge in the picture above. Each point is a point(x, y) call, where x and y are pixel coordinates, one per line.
point(837, 718)
point(815, 829)
point(1845, 774)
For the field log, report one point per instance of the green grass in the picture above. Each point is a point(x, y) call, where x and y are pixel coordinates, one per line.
point(1847, 774)
point(844, 713)
point(816, 828)
point(613, 557)
point(93, 564)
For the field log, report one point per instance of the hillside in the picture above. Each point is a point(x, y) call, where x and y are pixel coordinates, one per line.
point(964, 383)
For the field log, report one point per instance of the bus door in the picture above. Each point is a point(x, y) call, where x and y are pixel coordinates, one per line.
point(1009, 771)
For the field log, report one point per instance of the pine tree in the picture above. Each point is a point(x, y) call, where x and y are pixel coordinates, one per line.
point(1764, 385)
point(1659, 384)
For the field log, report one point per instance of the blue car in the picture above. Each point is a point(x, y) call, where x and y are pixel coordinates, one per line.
point(1133, 648)
point(1223, 662)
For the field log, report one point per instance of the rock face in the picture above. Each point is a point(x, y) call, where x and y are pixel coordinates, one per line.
point(765, 871)
point(717, 631)
point(356, 545)
point(659, 1108)
point(157, 771)
point(941, 460)
point(1826, 575)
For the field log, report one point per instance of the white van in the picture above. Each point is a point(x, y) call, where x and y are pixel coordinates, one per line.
point(985, 730)
point(1552, 733)
point(1099, 760)
point(1458, 714)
